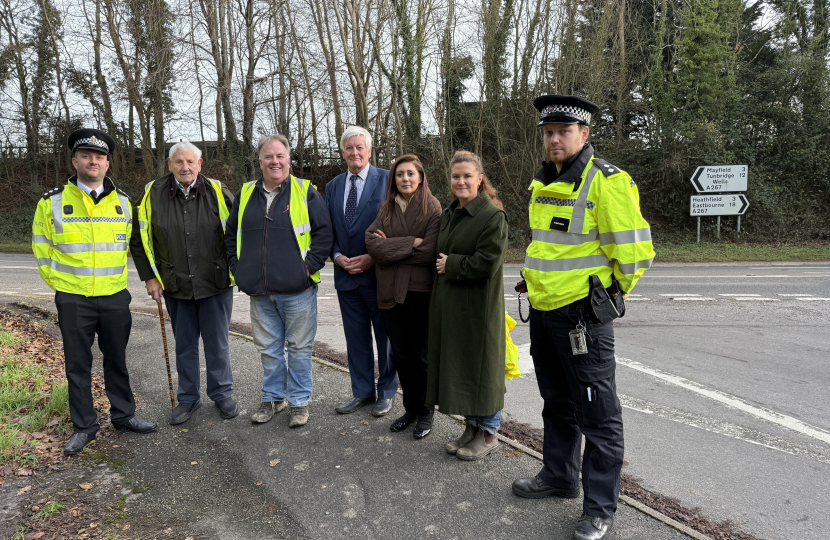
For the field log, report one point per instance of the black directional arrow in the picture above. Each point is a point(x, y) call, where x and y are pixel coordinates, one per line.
point(695, 181)
point(745, 203)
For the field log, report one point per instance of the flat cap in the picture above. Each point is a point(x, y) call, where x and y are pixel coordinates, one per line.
point(91, 139)
point(556, 109)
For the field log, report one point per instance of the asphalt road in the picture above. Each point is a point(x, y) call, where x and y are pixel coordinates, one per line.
point(722, 373)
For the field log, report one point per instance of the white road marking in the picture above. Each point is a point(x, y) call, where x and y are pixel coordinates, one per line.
point(638, 299)
point(760, 412)
point(686, 299)
point(634, 295)
point(525, 360)
point(741, 295)
point(324, 298)
point(720, 427)
point(789, 267)
point(671, 295)
point(813, 299)
point(796, 295)
point(745, 299)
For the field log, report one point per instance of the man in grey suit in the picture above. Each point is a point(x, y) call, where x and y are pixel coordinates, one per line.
point(354, 199)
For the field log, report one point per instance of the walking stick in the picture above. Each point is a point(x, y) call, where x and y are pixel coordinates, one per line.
point(166, 357)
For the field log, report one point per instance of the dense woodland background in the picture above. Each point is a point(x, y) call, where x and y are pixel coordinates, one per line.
point(682, 83)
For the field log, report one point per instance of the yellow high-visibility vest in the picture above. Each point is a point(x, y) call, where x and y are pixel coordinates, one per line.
point(145, 223)
point(80, 246)
point(596, 230)
point(297, 209)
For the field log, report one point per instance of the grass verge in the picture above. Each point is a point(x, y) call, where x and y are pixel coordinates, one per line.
point(15, 247)
point(33, 398)
point(743, 251)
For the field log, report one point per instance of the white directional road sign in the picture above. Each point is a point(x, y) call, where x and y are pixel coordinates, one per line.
point(720, 178)
point(718, 205)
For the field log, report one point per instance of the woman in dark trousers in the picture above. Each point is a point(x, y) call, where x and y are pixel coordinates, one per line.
point(466, 326)
point(402, 242)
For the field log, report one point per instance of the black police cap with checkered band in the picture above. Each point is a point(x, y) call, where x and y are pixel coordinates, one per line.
point(91, 139)
point(556, 109)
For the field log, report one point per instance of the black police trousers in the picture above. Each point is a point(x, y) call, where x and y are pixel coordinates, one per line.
point(80, 318)
point(580, 395)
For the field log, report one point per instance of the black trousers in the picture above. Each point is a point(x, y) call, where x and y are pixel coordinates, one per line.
point(580, 395)
point(407, 326)
point(209, 317)
point(80, 318)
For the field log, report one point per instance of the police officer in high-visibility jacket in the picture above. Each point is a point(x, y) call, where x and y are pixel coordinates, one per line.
point(278, 238)
point(585, 220)
point(80, 236)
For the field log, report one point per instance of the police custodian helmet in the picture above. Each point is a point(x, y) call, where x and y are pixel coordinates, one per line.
point(91, 139)
point(556, 109)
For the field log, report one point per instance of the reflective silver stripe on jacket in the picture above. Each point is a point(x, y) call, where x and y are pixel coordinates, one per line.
point(90, 247)
point(57, 212)
point(302, 229)
point(565, 265)
point(142, 224)
point(578, 216)
point(563, 238)
point(125, 207)
point(632, 268)
point(305, 196)
point(224, 223)
point(40, 239)
point(88, 272)
point(44, 261)
point(625, 237)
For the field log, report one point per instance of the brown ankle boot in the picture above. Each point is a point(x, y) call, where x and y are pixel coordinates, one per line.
point(462, 441)
point(478, 447)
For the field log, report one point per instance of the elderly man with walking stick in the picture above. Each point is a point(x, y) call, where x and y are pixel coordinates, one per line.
point(179, 252)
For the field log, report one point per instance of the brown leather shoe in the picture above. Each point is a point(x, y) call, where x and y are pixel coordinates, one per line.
point(462, 441)
point(478, 447)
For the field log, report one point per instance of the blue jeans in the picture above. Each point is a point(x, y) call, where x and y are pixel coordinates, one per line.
point(284, 326)
point(489, 423)
point(209, 318)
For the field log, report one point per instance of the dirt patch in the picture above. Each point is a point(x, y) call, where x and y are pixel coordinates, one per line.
point(58, 496)
point(534, 439)
point(41, 318)
point(83, 497)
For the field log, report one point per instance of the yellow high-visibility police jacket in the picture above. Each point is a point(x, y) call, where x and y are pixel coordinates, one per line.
point(586, 222)
point(80, 246)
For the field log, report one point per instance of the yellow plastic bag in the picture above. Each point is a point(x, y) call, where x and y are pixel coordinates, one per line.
point(511, 363)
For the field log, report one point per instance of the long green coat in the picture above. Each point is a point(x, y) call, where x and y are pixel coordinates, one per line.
point(466, 324)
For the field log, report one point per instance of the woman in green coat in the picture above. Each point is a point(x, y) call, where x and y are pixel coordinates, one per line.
point(466, 325)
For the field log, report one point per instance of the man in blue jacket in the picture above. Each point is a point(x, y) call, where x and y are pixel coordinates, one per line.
point(353, 200)
point(278, 237)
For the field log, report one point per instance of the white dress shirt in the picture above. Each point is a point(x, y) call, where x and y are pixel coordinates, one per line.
point(360, 183)
point(88, 190)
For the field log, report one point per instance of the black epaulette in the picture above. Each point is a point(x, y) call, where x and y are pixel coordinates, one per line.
point(53, 191)
point(606, 168)
point(122, 192)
